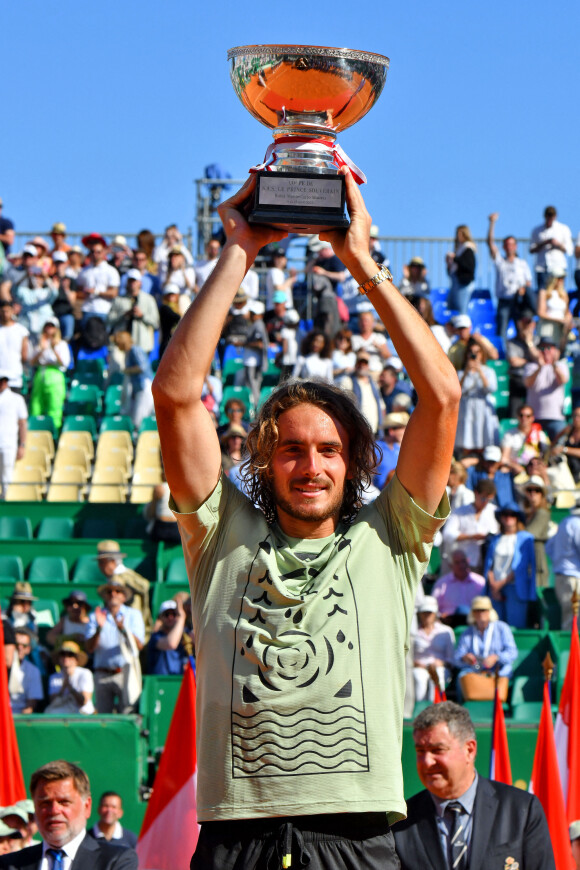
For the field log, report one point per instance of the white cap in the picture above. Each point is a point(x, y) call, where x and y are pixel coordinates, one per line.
point(491, 453)
point(428, 605)
point(134, 275)
point(256, 307)
point(171, 288)
point(59, 257)
point(167, 605)
point(393, 362)
point(462, 321)
point(30, 249)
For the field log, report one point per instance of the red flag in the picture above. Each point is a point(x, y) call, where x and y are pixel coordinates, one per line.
point(500, 768)
point(567, 730)
point(169, 831)
point(11, 780)
point(439, 695)
point(545, 783)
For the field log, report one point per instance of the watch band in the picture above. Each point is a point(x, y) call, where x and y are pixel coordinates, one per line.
point(382, 275)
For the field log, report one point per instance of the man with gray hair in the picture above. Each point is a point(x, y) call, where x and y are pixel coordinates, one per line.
point(462, 820)
point(62, 801)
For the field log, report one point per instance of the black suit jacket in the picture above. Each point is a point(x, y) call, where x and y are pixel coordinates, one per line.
point(128, 840)
point(507, 823)
point(91, 855)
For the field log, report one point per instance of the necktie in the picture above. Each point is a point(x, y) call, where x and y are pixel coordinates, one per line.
point(57, 856)
point(456, 843)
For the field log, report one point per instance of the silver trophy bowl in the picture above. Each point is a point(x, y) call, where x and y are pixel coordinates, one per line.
point(306, 92)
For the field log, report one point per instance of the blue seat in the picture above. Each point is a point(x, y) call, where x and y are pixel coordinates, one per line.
point(481, 293)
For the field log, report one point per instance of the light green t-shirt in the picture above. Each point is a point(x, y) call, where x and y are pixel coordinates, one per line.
point(300, 649)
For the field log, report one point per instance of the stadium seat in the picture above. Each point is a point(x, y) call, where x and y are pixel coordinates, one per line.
point(107, 475)
point(42, 423)
point(141, 494)
point(48, 569)
point(86, 570)
point(79, 423)
point(113, 399)
point(148, 424)
point(36, 456)
point(24, 492)
point(64, 492)
point(90, 366)
point(501, 367)
point(107, 494)
point(550, 611)
point(506, 424)
point(12, 567)
point(24, 473)
point(117, 423)
point(78, 438)
point(68, 457)
point(115, 438)
point(55, 528)
point(156, 706)
point(15, 527)
point(83, 399)
point(176, 574)
point(41, 439)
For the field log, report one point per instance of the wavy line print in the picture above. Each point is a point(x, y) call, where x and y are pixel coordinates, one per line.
point(300, 711)
point(305, 731)
point(344, 763)
point(290, 725)
point(248, 746)
point(353, 754)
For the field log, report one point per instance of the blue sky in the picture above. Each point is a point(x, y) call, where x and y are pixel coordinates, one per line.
point(111, 110)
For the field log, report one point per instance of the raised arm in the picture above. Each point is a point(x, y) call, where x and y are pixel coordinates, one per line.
point(189, 444)
point(427, 448)
point(490, 240)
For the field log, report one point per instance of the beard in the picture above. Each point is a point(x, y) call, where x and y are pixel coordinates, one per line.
point(307, 510)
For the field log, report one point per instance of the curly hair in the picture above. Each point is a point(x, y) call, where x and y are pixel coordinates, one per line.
point(263, 438)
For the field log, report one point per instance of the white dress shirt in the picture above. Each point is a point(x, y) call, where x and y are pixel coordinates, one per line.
point(70, 851)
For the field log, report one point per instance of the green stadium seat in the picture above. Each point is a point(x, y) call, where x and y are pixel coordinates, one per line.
point(113, 398)
point(83, 399)
point(43, 423)
point(501, 366)
point(506, 424)
point(148, 424)
point(176, 574)
point(80, 423)
point(86, 570)
point(117, 423)
point(480, 711)
point(56, 528)
point(48, 569)
point(229, 370)
point(89, 366)
point(242, 393)
point(527, 712)
point(265, 394)
point(11, 566)
point(156, 705)
point(527, 688)
point(47, 612)
point(15, 527)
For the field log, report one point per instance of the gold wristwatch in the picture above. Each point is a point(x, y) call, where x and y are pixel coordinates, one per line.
point(382, 275)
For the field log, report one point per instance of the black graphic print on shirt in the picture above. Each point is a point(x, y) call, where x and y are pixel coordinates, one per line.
point(297, 699)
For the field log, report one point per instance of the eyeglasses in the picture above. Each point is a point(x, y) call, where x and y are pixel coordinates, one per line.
point(525, 415)
point(532, 489)
point(23, 645)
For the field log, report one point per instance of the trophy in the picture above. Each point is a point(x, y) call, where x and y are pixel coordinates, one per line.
point(306, 94)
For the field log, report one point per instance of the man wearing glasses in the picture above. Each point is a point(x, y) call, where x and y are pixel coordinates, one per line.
point(115, 635)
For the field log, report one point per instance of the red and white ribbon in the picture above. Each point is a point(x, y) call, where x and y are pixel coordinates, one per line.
point(320, 145)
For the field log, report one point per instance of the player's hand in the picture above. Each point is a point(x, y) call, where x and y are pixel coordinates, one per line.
point(233, 213)
point(351, 245)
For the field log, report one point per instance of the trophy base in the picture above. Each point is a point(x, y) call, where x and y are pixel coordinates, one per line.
point(300, 202)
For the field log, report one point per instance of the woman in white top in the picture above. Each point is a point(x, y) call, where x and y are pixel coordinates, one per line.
point(343, 356)
point(176, 271)
point(434, 645)
point(315, 358)
point(555, 317)
point(51, 358)
point(71, 688)
point(425, 309)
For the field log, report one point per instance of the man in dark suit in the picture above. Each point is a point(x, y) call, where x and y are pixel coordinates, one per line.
point(462, 820)
point(109, 826)
point(62, 804)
